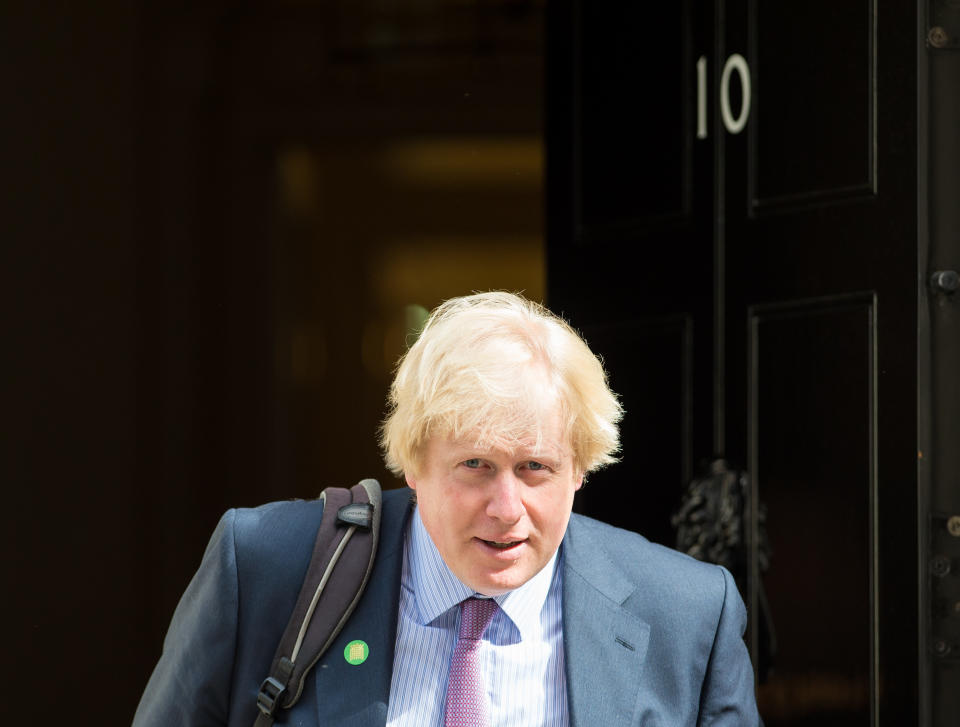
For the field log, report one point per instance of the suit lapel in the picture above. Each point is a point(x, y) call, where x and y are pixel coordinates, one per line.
point(605, 646)
point(357, 696)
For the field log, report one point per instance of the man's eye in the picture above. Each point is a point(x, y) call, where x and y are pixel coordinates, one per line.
point(472, 463)
point(536, 466)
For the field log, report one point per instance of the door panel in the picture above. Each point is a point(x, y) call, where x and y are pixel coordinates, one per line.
point(812, 123)
point(812, 442)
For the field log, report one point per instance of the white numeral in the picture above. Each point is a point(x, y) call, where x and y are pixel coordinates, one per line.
point(737, 63)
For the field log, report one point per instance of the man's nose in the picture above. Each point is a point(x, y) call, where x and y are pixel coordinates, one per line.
point(506, 501)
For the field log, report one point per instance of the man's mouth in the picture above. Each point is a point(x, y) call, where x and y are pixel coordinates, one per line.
point(503, 545)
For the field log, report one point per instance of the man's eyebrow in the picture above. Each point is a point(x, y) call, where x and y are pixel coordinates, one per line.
point(554, 459)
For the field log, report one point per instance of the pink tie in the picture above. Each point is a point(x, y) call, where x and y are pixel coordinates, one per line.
point(466, 697)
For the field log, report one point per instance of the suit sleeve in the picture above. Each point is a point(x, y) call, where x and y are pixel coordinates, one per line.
point(728, 698)
point(190, 686)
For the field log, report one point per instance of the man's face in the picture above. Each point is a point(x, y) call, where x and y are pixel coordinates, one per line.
point(496, 517)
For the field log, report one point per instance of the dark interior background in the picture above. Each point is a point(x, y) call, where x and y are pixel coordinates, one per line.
point(220, 221)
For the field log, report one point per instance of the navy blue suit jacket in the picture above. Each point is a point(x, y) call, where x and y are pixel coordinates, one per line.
point(651, 636)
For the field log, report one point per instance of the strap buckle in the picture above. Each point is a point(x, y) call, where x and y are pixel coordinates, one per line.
point(268, 698)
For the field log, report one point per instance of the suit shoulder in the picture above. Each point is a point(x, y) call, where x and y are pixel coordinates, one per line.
point(282, 533)
point(657, 568)
point(273, 518)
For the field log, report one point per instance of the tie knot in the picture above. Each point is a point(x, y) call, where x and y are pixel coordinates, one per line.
point(475, 615)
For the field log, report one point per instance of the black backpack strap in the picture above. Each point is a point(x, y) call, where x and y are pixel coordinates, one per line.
point(342, 560)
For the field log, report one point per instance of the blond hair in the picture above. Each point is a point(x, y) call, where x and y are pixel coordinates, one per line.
point(492, 366)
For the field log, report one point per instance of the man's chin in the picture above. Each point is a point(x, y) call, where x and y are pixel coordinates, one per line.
point(497, 583)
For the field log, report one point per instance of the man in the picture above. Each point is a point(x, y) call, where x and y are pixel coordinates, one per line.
point(488, 603)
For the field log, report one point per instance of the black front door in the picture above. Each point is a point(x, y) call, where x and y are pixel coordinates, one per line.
point(733, 223)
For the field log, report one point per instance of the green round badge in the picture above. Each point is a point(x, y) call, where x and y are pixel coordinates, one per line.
point(356, 652)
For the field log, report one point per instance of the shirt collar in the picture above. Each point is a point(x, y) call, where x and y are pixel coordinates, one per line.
point(436, 589)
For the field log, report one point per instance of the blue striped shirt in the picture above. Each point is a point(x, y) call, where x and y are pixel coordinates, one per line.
point(521, 656)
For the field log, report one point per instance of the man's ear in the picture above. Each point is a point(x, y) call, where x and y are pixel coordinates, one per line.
point(580, 481)
point(411, 482)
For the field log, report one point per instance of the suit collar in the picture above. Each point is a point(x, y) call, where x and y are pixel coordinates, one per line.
point(605, 645)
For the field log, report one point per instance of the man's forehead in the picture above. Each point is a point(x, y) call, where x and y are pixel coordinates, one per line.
point(532, 444)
